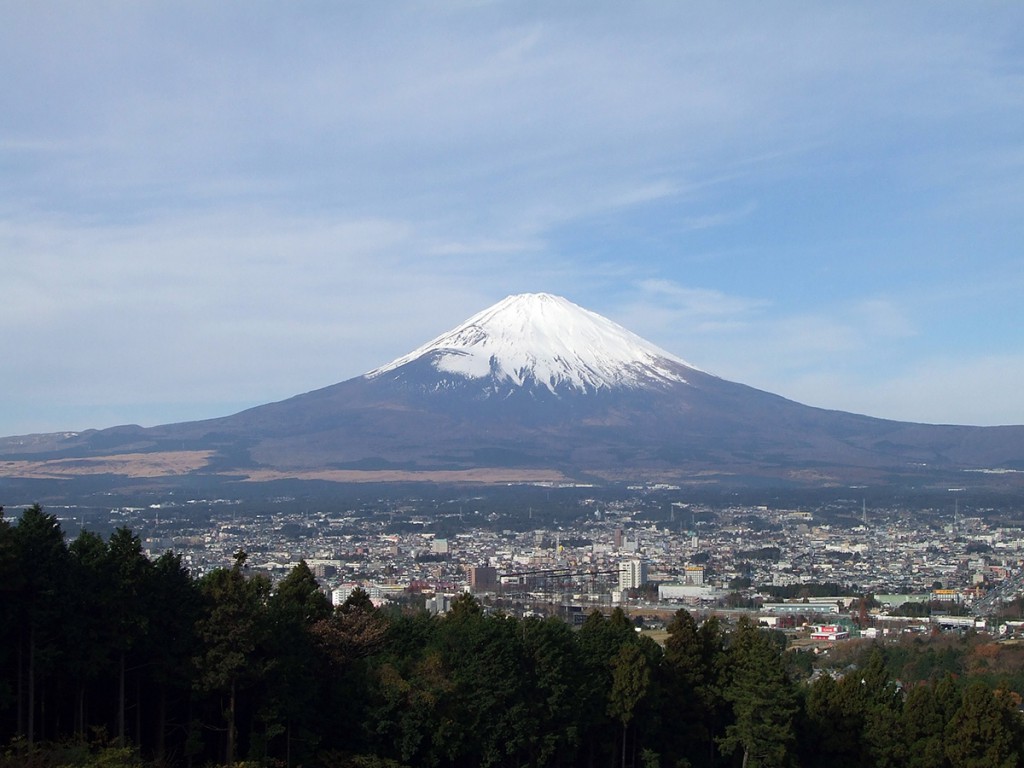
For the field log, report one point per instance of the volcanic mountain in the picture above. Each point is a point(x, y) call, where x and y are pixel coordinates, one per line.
point(535, 388)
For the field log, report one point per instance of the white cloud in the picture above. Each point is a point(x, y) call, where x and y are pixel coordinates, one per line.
point(846, 356)
point(980, 390)
point(720, 218)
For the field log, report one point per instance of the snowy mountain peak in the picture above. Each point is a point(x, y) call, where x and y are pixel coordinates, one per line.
point(537, 339)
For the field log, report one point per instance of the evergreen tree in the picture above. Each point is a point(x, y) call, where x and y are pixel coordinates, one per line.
point(486, 659)
point(881, 704)
point(463, 607)
point(173, 608)
point(554, 679)
point(410, 689)
point(357, 600)
point(232, 630)
point(130, 570)
point(986, 731)
point(90, 635)
point(353, 631)
point(926, 712)
point(599, 640)
point(831, 726)
point(631, 677)
point(9, 635)
point(41, 589)
point(292, 700)
point(762, 698)
point(690, 675)
point(857, 721)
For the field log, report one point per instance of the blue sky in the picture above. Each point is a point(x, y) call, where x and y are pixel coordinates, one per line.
point(208, 206)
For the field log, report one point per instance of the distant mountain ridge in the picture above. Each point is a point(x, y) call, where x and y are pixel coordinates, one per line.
point(536, 388)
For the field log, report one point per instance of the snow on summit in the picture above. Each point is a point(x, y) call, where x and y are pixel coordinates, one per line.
point(537, 338)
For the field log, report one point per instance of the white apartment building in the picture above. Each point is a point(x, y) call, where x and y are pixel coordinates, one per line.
point(632, 574)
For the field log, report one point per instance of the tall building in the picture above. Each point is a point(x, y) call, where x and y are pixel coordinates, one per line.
point(632, 574)
point(438, 604)
point(694, 575)
point(483, 578)
point(439, 546)
point(341, 593)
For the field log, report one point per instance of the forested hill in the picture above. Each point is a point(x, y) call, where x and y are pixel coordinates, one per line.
point(109, 658)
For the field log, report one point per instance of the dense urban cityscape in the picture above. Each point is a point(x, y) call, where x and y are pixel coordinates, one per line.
point(647, 551)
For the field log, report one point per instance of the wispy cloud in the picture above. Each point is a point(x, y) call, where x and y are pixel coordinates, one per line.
point(720, 218)
point(978, 389)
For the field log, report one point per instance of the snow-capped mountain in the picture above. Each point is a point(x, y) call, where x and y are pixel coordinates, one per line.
point(540, 340)
point(536, 387)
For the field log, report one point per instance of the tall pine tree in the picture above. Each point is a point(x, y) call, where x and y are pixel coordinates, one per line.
point(762, 698)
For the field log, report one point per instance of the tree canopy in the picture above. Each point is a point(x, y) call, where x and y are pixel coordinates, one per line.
point(111, 658)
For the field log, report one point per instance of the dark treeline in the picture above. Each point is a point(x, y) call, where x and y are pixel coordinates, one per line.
point(109, 658)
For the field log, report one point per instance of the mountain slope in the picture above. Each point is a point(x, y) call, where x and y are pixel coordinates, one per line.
point(540, 385)
point(540, 340)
